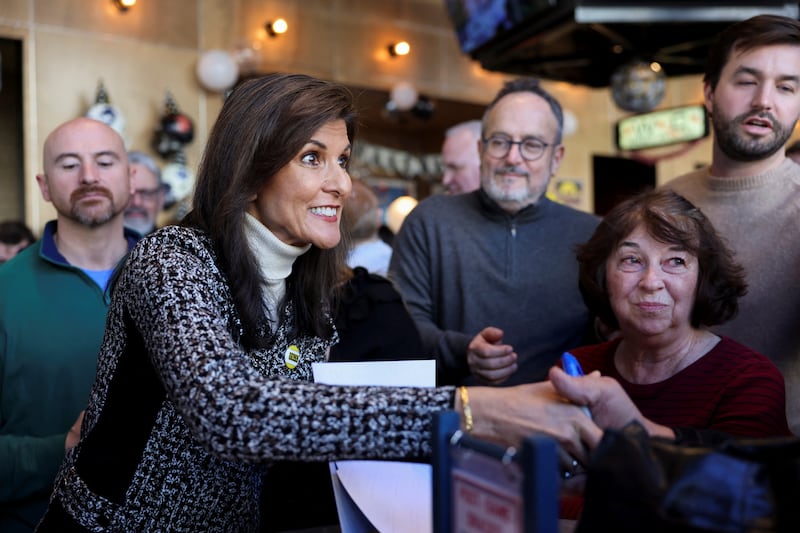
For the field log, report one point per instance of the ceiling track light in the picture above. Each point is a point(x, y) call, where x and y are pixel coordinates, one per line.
point(400, 48)
point(124, 5)
point(276, 27)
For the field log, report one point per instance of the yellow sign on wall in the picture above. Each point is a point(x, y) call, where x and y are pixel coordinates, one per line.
point(663, 127)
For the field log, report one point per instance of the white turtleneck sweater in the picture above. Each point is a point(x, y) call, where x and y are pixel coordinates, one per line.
point(275, 259)
point(759, 217)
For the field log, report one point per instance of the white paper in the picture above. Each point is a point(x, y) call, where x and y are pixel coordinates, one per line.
point(406, 373)
point(395, 497)
point(351, 519)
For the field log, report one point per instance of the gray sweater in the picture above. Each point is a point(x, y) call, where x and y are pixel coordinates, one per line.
point(462, 263)
point(759, 217)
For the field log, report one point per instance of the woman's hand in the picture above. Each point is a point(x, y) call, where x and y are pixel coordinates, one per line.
point(610, 405)
point(511, 414)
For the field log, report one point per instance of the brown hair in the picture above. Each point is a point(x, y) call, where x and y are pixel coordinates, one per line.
point(262, 125)
point(761, 30)
point(14, 232)
point(669, 218)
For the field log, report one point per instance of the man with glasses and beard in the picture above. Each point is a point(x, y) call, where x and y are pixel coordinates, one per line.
point(490, 276)
point(53, 305)
point(751, 190)
point(148, 196)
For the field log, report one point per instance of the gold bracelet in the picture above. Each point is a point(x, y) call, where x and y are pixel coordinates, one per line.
point(466, 409)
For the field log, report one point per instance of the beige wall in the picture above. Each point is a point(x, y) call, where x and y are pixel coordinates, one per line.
point(69, 45)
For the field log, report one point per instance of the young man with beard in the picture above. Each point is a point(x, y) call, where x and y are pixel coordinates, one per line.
point(53, 305)
point(751, 190)
point(490, 276)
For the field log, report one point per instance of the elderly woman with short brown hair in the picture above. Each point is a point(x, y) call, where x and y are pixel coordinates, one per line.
point(656, 269)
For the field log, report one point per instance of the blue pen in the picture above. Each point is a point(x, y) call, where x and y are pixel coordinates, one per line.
point(573, 368)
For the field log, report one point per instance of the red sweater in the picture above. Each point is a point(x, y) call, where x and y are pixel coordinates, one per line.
point(732, 388)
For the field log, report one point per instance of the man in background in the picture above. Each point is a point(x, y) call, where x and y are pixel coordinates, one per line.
point(460, 157)
point(751, 190)
point(53, 306)
point(15, 236)
point(147, 200)
point(362, 218)
point(490, 276)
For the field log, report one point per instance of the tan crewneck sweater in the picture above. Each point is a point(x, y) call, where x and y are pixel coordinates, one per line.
point(759, 216)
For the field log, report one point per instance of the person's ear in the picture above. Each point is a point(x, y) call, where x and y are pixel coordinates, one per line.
point(708, 96)
point(44, 187)
point(558, 157)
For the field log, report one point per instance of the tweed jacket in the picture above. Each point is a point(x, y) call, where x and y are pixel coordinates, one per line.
point(181, 420)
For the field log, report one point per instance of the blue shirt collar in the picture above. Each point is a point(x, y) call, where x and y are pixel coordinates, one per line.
point(50, 251)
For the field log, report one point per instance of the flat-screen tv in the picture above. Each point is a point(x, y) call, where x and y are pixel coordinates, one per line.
point(477, 22)
point(648, 11)
point(583, 41)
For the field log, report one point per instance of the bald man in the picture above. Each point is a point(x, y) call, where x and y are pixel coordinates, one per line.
point(53, 310)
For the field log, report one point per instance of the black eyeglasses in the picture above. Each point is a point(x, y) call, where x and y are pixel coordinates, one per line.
point(149, 195)
point(530, 148)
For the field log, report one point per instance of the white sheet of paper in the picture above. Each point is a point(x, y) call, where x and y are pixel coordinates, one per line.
point(406, 373)
point(396, 497)
point(351, 519)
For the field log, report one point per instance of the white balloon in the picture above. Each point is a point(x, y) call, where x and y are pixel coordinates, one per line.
point(404, 95)
point(570, 123)
point(217, 71)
